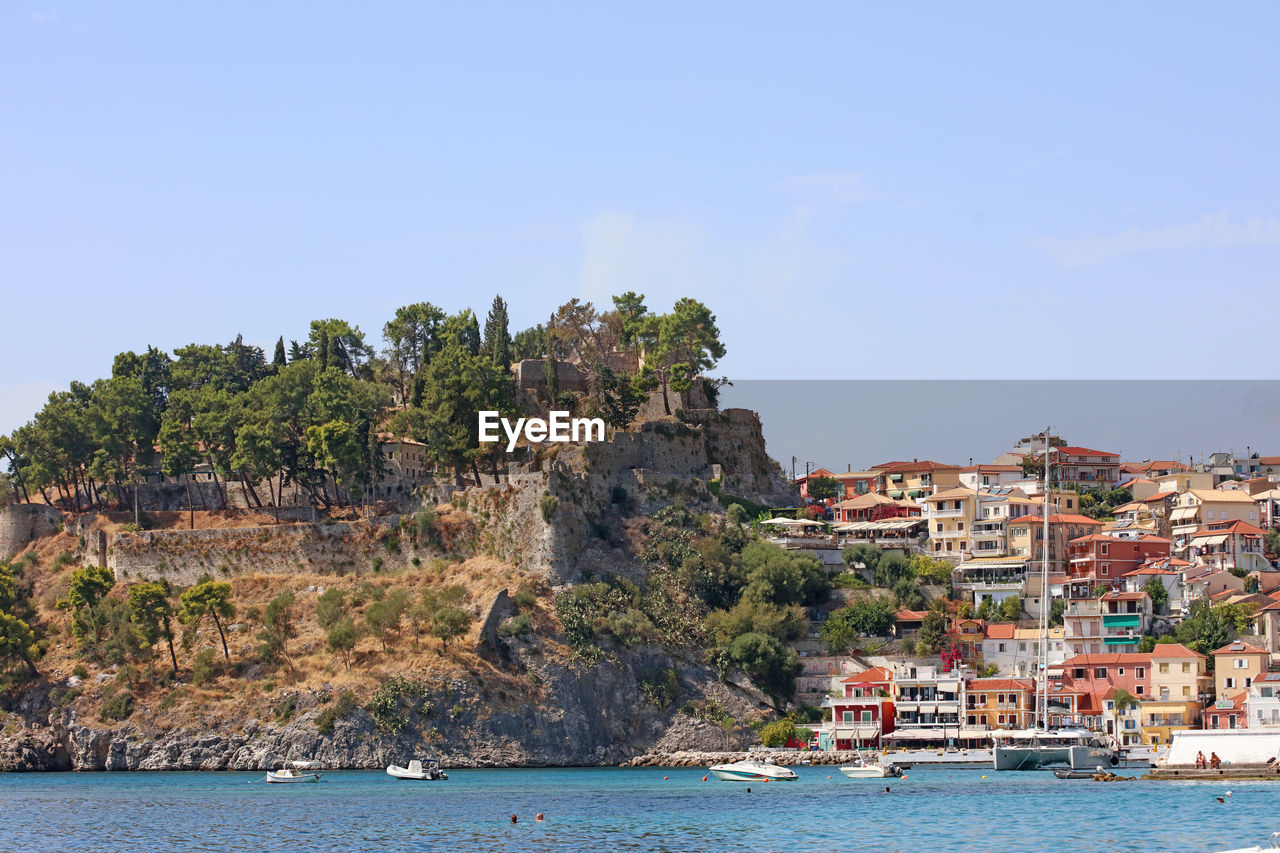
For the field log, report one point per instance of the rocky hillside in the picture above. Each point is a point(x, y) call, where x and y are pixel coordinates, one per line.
point(505, 688)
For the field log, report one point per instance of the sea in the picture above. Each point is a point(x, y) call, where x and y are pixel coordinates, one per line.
point(610, 809)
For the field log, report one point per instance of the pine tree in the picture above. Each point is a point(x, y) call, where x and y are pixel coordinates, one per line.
point(497, 334)
point(278, 360)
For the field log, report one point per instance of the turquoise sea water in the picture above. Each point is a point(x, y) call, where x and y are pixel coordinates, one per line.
point(933, 809)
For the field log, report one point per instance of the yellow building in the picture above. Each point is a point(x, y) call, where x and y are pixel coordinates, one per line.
point(999, 703)
point(1180, 685)
point(1198, 508)
point(915, 479)
point(1026, 538)
point(1236, 665)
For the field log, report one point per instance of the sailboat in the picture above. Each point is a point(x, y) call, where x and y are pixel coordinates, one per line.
point(1041, 747)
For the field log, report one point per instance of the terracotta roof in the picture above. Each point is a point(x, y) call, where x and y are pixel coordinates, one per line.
point(1158, 496)
point(919, 465)
point(875, 675)
point(1174, 650)
point(1269, 460)
point(1084, 451)
point(1000, 684)
point(1107, 659)
point(1059, 518)
point(855, 475)
point(1242, 528)
point(1239, 648)
point(1125, 596)
point(993, 468)
point(910, 615)
point(1004, 630)
point(958, 492)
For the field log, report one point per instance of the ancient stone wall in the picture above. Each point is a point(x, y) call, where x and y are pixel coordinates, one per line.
point(22, 524)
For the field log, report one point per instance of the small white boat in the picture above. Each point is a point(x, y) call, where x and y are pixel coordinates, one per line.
point(288, 774)
point(870, 768)
point(418, 772)
point(753, 771)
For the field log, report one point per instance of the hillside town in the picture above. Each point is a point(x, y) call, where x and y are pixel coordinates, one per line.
point(1163, 596)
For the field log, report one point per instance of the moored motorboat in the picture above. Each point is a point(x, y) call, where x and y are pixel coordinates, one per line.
point(753, 771)
point(871, 768)
point(288, 774)
point(417, 771)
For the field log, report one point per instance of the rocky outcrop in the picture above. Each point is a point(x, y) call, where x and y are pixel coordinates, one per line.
point(576, 716)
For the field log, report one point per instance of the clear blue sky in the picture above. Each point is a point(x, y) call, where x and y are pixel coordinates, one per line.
point(857, 191)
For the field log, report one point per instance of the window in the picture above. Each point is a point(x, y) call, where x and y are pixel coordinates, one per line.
point(1186, 667)
point(1239, 663)
point(1230, 683)
point(1186, 690)
point(1121, 671)
point(1139, 690)
point(1001, 647)
point(848, 716)
point(866, 716)
point(1077, 673)
point(1105, 549)
point(1142, 672)
point(1164, 667)
point(1100, 672)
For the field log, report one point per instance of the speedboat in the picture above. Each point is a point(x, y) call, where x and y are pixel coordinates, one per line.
point(288, 774)
point(871, 769)
point(418, 772)
point(753, 771)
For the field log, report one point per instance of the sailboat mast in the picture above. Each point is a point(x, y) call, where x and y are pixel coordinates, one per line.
point(1044, 598)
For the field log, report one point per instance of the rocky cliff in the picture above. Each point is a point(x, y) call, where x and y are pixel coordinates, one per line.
point(522, 699)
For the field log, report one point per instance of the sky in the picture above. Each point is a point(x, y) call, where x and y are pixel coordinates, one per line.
point(857, 190)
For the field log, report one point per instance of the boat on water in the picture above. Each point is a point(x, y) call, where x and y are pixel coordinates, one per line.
point(1042, 747)
point(1045, 749)
point(871, 768)
point(418, 771)
point(753, 771)
point(289, 774)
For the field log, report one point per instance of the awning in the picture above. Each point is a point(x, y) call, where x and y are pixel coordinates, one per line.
point(1201, 541)
point(1182, 512)
point(896, 494)
point(915, 493)
point(856, 733)
point(915, 734)
point(1120, 641)
point(895, 478)
point(1122, 620)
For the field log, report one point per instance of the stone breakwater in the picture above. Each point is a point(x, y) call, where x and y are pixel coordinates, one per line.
point(693, 758)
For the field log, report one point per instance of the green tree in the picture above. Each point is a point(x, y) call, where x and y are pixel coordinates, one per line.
point(775, 576)
point(1056, 611)
point(341, 640)
point(931, 571)
point(152, 612)
point(908, 595)
point(1156, 591)
point(823, 488)
point(865, 553)
point(892, 567)
point(688, 344)
point(17, 643)
point(785, 623)
point(1010, 609)
point(340, 345)
point(736, 514)
point(866, 617)
point(770, 664)
point(413, 339)
point(209, 598)
point(278, 623)
point(933, 630)
point(529, 343)
point(497, 334)
point(331, 607)
point(448, 624)
point(89, 585)
point(278, 359)
point(1206, 628)
point(777, 733)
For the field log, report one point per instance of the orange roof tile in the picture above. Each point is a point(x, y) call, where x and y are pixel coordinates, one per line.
point(1239, 648)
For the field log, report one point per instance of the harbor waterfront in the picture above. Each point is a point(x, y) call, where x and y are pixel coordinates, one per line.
point(941, 808)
